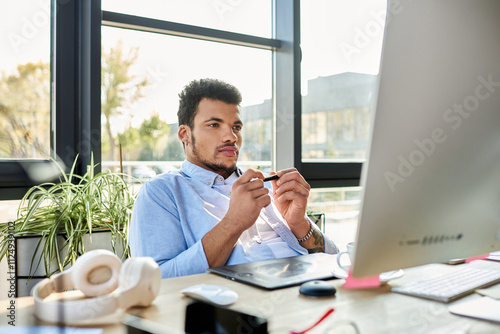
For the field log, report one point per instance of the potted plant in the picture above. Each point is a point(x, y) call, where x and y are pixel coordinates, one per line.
point(317, 218)
point(61, 220)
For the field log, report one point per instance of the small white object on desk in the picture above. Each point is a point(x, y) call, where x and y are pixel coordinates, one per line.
point(484, 308)
point(216, 294)
point(495, 256)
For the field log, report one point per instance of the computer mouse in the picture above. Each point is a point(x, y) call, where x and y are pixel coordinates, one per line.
point(216, 294)
point(317, 289)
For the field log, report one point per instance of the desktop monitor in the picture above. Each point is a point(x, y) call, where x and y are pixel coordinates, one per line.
point(431, 181)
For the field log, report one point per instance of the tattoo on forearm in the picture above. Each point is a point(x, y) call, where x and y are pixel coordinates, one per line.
point(319, 242)
point(315, 250)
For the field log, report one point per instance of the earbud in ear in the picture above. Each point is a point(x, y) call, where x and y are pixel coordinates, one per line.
point(96, 273)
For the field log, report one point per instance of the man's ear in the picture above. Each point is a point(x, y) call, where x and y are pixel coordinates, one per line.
point(184, 134)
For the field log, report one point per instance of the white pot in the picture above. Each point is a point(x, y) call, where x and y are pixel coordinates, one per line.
point(26, 247)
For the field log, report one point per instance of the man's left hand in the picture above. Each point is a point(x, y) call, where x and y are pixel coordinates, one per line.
point(290, 193)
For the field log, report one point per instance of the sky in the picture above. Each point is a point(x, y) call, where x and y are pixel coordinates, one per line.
point(344, 36)
point(24, 32)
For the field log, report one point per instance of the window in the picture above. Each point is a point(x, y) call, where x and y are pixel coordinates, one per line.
point(54, 117)
point(25, 80)
point(244, 17)
point(341, 46)
point(25, 88)
point(139, 110)
point(313, 113)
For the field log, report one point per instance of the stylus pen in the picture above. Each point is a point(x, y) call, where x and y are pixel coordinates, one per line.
point(272, 177)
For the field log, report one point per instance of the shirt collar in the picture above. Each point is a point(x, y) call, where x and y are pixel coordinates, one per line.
point(203, 175)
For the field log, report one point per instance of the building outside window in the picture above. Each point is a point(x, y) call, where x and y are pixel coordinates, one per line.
point(341, 46)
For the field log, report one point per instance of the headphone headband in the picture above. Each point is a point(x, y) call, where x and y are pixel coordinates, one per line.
point(138, 284)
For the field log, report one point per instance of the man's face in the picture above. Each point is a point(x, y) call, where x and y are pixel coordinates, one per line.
point(215, 139)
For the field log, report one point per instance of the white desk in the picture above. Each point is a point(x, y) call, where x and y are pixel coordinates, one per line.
point(372, 310)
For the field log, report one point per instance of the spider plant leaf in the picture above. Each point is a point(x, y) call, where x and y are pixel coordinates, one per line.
point(39, 243)
point(75, 206)
point(69, 177)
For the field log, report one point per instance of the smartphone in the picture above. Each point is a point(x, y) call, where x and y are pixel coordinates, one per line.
point(202, 317)
point(137, 325)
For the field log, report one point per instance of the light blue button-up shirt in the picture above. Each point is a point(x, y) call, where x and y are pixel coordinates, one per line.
point(173, 212)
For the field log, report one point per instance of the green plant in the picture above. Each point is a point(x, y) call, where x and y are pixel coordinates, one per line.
point(317, 218)
point(73, 207)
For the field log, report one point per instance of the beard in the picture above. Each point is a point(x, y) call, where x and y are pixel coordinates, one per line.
point(216, 167)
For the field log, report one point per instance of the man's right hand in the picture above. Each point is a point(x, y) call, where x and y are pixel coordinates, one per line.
point(248, 197)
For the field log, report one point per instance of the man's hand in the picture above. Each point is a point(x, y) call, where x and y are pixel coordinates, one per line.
point(248, 197)
point(291, 192)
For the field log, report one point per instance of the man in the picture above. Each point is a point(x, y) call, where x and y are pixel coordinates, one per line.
point(209, 213)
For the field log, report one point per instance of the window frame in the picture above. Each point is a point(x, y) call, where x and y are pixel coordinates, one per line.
point(75, 63)
point(288, 84)
point(76, 82)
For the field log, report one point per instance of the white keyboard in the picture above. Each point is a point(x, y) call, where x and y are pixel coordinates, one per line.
point(451, 286)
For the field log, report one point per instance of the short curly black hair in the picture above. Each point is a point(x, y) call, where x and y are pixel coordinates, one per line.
point(196, 90)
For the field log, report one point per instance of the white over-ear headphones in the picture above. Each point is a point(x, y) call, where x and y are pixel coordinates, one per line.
point(98, 274)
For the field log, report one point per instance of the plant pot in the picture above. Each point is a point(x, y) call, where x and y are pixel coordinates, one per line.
point(26, 246)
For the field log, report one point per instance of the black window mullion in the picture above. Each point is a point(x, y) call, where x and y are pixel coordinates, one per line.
point(66, 111)
point(133, 22)
point(89, 83)
point(326, 175)
point(78, 82)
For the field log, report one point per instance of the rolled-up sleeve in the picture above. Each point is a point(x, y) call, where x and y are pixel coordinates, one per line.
point(330, 247)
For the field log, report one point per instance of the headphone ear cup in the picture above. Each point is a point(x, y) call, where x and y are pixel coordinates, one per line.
point(96, 272)
point(140, 279)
